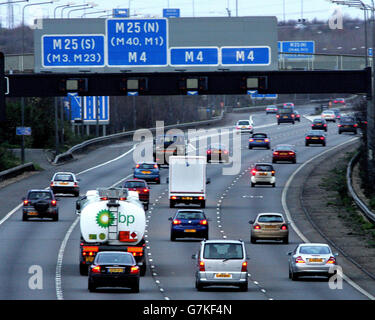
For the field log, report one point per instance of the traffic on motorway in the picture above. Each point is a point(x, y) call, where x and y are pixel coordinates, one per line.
point(116, 223)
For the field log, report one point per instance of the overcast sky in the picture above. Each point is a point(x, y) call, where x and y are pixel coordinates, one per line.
point(293, 9)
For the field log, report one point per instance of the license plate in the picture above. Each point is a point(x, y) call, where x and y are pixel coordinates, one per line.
point(262, 173)
point(315, 260)
point(89, 259)
point(190, 230)
point(243, 127)
point(32, 213)
point(346, 126)
point(63, 183)
point(116, 270)
point(223, 275)
point(314, 138)
point(259, 141)
point(283, 154)
point(217, 151)
point(146, 172)
point(285, 117)
point(270, 227)
point(187, 198)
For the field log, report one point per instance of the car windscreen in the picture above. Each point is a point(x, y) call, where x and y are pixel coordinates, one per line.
point(263, 167)
point(114, 258)
point(39, 195)
point(347, 120)
point(316, 133)
point(318, 121)
point(223, 251)
point(217, 146)
point(134, 184)
point(189, 215)
point(64, 177)
point(328, 112)
point(146, 166)
point(270, 218)
point(243, 123)
point(259, 135)
point(314, 250)
point(284, 148)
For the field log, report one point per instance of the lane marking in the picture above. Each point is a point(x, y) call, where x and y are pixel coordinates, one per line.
point(295, 228)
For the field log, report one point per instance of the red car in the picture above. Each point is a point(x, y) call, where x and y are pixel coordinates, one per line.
point(339, 101)
point(141, 187)
point(284, 152)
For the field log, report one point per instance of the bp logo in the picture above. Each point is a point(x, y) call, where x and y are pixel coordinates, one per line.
point(104, 218)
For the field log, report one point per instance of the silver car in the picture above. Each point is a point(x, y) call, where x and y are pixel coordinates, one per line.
point(221, 263)
point(311, 259)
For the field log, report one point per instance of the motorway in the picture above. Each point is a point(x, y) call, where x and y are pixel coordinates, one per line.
point(231, 203)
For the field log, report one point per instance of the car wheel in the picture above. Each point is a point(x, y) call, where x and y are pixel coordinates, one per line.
point(294, 276)
point(24, 217)
point(286, 240)
point(355, 132)
point(306, 144)
point(294, 161)
point(83, 269)
point(206, 236)
point(143, 269)
point(76, 194)
point(324, 144)
point(173, 237)
point(244, 286)
point(340, 132)
point(91, 286)
point(274, 185)
point(252, 240)
point(146, 206)
point(273, 161)
point(290, 274)
point(252, 185)
point(171, 204)
point(158, 181)
point(55, 217)
point(203, 204)
point(198, 285)
point(135, 288)
point(250, 147)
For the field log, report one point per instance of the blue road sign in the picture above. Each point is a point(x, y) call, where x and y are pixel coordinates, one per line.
point(369, 52)
point(137, 42)
point(298, 47)
point(192, 93)
point(120, 13)
point(171, 13)
point(255, 95)
point(23, 131)
point(133, 93)
point(257, 56)
point(194, 56)
point(90, 106)
point(73, 50)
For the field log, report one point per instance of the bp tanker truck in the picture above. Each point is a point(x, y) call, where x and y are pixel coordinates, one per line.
point(111, 219)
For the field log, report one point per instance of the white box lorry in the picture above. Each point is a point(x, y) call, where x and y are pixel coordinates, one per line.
point(187, 180)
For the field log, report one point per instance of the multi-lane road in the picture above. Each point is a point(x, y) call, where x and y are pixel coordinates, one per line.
point(231, 203)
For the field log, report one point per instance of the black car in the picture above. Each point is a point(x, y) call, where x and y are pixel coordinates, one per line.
point(297, 116)
point(114, 269)
point(319, 124)
point(189, 223)
point(217, 152)
point(285, 115)
point(315, 137)
point(40, 204)
point(260, 140)
point(337, 113)
point(347, 124)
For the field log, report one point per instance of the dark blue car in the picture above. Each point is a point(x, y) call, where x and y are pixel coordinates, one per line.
point(189, 224)
point(259, 140)
point(148, 171)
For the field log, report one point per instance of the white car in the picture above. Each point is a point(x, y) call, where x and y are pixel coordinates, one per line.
point(328, 115)
point(263, 173)
point(65, 182)
point(245, 126)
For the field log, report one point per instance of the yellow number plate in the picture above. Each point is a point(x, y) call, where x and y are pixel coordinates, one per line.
point(270, 227)
point(259, 140)
point(89, 259)
point(146, 172)
point(190, 230)
point(315, 260)
point(187, 198)
point(223, 275)
point(63, 183)
point(262, 173)
point(315, 138)
point(116, 270)
point(32, 213)
point(283, 154)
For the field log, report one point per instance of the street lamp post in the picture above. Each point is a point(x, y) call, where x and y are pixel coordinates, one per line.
point(86, 14)
point(79, 9)
point(62, 6)
point(76, 6)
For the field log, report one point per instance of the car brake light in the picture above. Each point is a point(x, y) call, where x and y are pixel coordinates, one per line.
point(251, 140)
point(137, 166)
point(284, 227)
point(208, 151)
point(365, 122)
point(104, 198)
point(156, 166)
point(25, 202)
point(51, 184)
point(273, 173)
point(292, 115)
point(135, 251)
point(134, 270)
point(95, 269)
point(321, 138)
point(299, 260)
point(123, 199)
point(225, 151)
point(277, 116)
point(176, 221)
point(325, 125)
point(145, 190)
point(53, 203)
point(244, 267)
point(173, 198)
point(276, 153)
point(339, 125)
point(355, 125)
point(331, 260)
point(201, 266)
point(200, 198)
point(253, 172)
point(75, 184)
point(257, 227)
point(266, 140)
point(307, 138)
point(291, 153)
point(203, 222)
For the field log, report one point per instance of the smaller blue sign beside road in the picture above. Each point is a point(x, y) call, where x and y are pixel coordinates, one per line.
point(137, 42)
point(369, 52)
point(256, 56)
point(298, 47)
point(23, 131)
point(255, 95)
point(120, 13)
point(194, 56)
point(171, 13)
point(73, 50)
